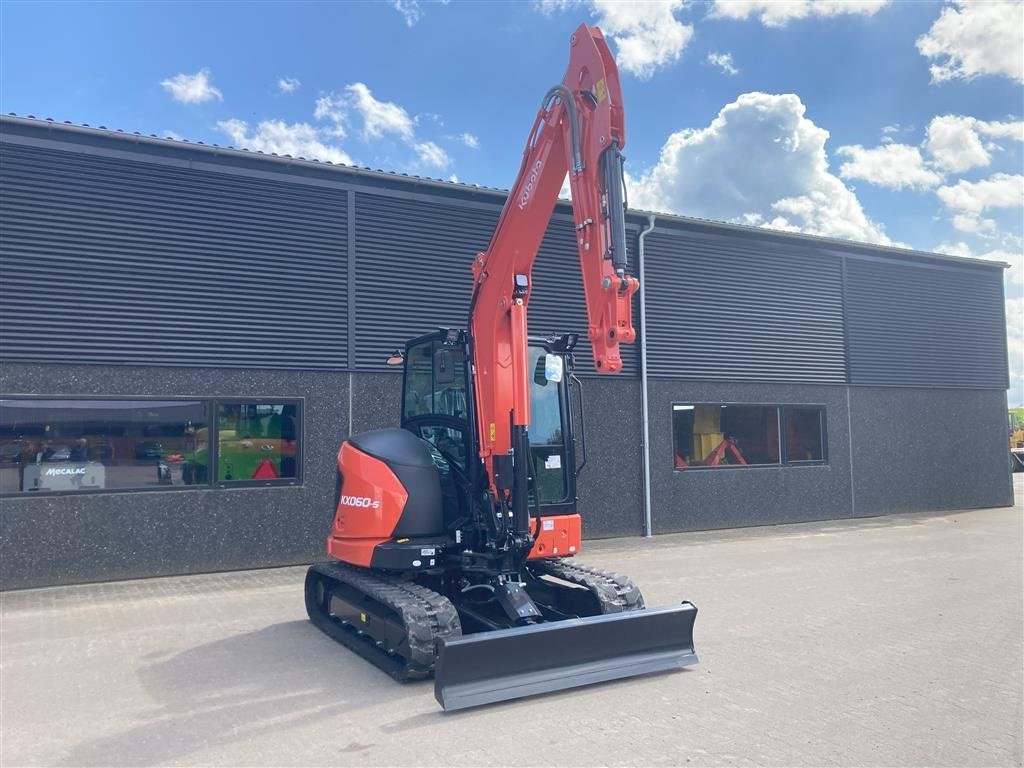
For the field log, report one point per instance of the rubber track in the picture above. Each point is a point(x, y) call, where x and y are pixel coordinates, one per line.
point(616, 593)
point(427, 616)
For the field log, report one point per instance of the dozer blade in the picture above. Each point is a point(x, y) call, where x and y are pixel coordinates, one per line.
point(511, 663)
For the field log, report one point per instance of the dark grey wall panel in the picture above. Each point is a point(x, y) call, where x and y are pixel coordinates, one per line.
point(726, 307)
point(64, 539)
point(113, 261)
point(925, 325)
point(413, 274)
point(928, 449)
point(700, 499)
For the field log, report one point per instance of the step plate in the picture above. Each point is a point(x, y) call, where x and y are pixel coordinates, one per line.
point(511, 663)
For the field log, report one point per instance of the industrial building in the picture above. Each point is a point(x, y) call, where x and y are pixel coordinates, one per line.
point(188, 333)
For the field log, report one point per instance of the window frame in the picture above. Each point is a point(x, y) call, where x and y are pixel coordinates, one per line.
point(210, 409)
point(780, 411)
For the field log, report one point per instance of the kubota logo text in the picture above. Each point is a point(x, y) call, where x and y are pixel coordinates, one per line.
point(360, 501)
point(524, 198)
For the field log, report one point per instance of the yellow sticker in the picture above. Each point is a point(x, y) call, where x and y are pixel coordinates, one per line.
point(601, 90)
point(362, 617)
point(493, 432)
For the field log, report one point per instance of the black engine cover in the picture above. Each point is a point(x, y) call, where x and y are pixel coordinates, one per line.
point(411, 459)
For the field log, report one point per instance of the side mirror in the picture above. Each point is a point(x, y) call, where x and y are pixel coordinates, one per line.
point(444, 367)
point(395, 358)
point(554, 368)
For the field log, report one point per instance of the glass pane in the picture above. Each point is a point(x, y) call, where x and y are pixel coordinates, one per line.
point(78, 445)
point(257, 441)
point(423, 394)
point(547, 443)
point(804, 434)
point(725, 435)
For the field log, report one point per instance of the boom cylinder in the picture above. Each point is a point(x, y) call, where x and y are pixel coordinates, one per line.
point(615, 208)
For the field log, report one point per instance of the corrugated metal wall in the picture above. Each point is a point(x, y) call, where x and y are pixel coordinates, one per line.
point(925, 325)
point(413, 275)
point(112, 261)
point(118, 260)
point(726, 307)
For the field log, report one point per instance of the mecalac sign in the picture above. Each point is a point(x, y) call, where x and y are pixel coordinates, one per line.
point(64, 476)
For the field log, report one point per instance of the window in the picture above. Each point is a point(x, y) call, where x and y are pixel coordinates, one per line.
point(714, 435)
point(547, 441)
point(75, 445)
point(256, 441)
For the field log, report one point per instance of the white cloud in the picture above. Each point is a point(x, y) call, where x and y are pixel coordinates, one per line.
point(192, 89)
point(724, 62)
point(334, 109)
point(976, 38)
point(778, 13)
point(647, 35)
point(973, 224)
point(893, 166)
point(760, 161)
point(954, 141)
point(430, 154)
point(1009, 130)
point(410, 10)
point(295, 139)
point(1000, 190)
point(954, 144)
point(379, 117)
point(288, 84)
point(954, 249)
point(470, 140)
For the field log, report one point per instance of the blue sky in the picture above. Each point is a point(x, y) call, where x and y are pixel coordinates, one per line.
point(895, 122)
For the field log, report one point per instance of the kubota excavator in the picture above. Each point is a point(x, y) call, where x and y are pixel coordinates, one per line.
point(453, 534)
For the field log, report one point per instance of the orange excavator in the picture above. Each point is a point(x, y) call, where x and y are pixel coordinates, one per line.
point(452, 547)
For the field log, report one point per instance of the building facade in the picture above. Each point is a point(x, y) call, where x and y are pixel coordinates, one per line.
point(189, 332)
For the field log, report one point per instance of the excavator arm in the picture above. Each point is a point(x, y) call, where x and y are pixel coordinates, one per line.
point(578, 130)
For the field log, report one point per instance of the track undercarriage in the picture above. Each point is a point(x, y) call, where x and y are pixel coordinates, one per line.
point(408, 629)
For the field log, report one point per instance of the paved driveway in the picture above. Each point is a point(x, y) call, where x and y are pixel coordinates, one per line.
point(892, 641)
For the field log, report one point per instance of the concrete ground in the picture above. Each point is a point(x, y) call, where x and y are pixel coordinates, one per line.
point(891, 641)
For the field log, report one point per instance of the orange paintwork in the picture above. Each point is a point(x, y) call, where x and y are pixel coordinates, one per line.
point(559, 537)
point(371, 502)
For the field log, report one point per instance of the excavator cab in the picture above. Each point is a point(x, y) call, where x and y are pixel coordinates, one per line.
point(436, 402)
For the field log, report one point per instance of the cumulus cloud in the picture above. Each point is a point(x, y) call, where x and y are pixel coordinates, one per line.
point(1000, 190)
point(724, 62)
point(470, 140)
point(192, 89)
point(778, 13)
point(976, 38)
point(647, 35)
point(955, 141)
point(288, 84)
point(277, 136)
point(893, 166)
point(760, 161)
point(973, 224)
